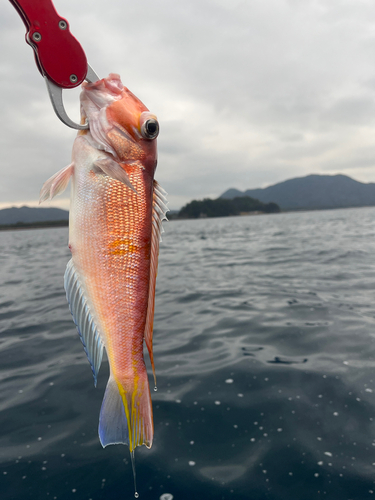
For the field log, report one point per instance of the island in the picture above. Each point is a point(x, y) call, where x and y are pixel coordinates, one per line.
point(221, 207)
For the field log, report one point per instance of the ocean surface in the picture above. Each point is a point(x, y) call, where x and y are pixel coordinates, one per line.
point(264, 353)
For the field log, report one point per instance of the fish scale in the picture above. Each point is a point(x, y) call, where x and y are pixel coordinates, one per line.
point(122, 309)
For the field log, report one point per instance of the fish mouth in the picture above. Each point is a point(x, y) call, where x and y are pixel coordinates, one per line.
point(95, 99)
point(102, 93)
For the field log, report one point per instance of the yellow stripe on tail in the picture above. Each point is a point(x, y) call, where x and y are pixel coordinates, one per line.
point(126, 413)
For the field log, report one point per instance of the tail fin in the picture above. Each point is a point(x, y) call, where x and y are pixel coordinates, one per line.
point(126, 413)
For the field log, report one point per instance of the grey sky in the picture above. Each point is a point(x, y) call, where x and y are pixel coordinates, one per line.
point(248, 92)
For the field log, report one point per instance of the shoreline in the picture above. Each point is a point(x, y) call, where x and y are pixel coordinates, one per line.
point(20, 226)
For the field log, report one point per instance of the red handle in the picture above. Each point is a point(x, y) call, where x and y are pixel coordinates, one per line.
point(58, 54)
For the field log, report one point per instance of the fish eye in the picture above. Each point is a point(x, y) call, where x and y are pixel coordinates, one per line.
point(150, 129)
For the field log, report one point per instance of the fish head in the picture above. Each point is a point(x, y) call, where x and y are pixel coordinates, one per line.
point(119, 123)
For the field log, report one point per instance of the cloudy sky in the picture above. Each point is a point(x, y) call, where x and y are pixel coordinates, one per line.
point(248, 92)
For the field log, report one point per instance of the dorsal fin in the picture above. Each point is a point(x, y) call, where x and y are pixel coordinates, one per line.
point(88, 332)
point(158, 215)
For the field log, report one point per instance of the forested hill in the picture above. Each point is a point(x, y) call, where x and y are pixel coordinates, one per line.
point(313, 192)
point(222, 207)
point(27, 215)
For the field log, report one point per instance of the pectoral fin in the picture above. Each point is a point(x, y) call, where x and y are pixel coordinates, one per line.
point(56, 184)
point(114, 170)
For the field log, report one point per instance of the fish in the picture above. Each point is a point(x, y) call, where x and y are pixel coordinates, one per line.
point(115, 227)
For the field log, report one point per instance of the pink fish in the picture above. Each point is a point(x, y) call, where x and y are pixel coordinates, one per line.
point(115, 225)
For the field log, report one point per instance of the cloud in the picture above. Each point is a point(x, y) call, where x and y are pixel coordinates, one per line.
point(247, 93)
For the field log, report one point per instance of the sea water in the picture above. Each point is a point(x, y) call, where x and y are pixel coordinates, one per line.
point(265, 362)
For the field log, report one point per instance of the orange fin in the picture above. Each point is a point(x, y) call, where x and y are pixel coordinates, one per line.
point(158, 215)
point(126, 413)
point(56, 184)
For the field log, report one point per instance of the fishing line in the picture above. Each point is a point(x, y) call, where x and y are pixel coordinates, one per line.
point(136, 494)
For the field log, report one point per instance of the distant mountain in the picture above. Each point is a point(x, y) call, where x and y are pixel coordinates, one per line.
point(27, 215)
point(233, 193)
point(313, 192)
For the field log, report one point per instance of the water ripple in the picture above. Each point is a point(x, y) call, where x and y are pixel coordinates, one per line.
point(264, 356)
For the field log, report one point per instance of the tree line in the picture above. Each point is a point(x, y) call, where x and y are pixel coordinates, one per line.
point(222, 207)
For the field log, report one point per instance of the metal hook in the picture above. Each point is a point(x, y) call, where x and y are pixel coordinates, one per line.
point(55, 94)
